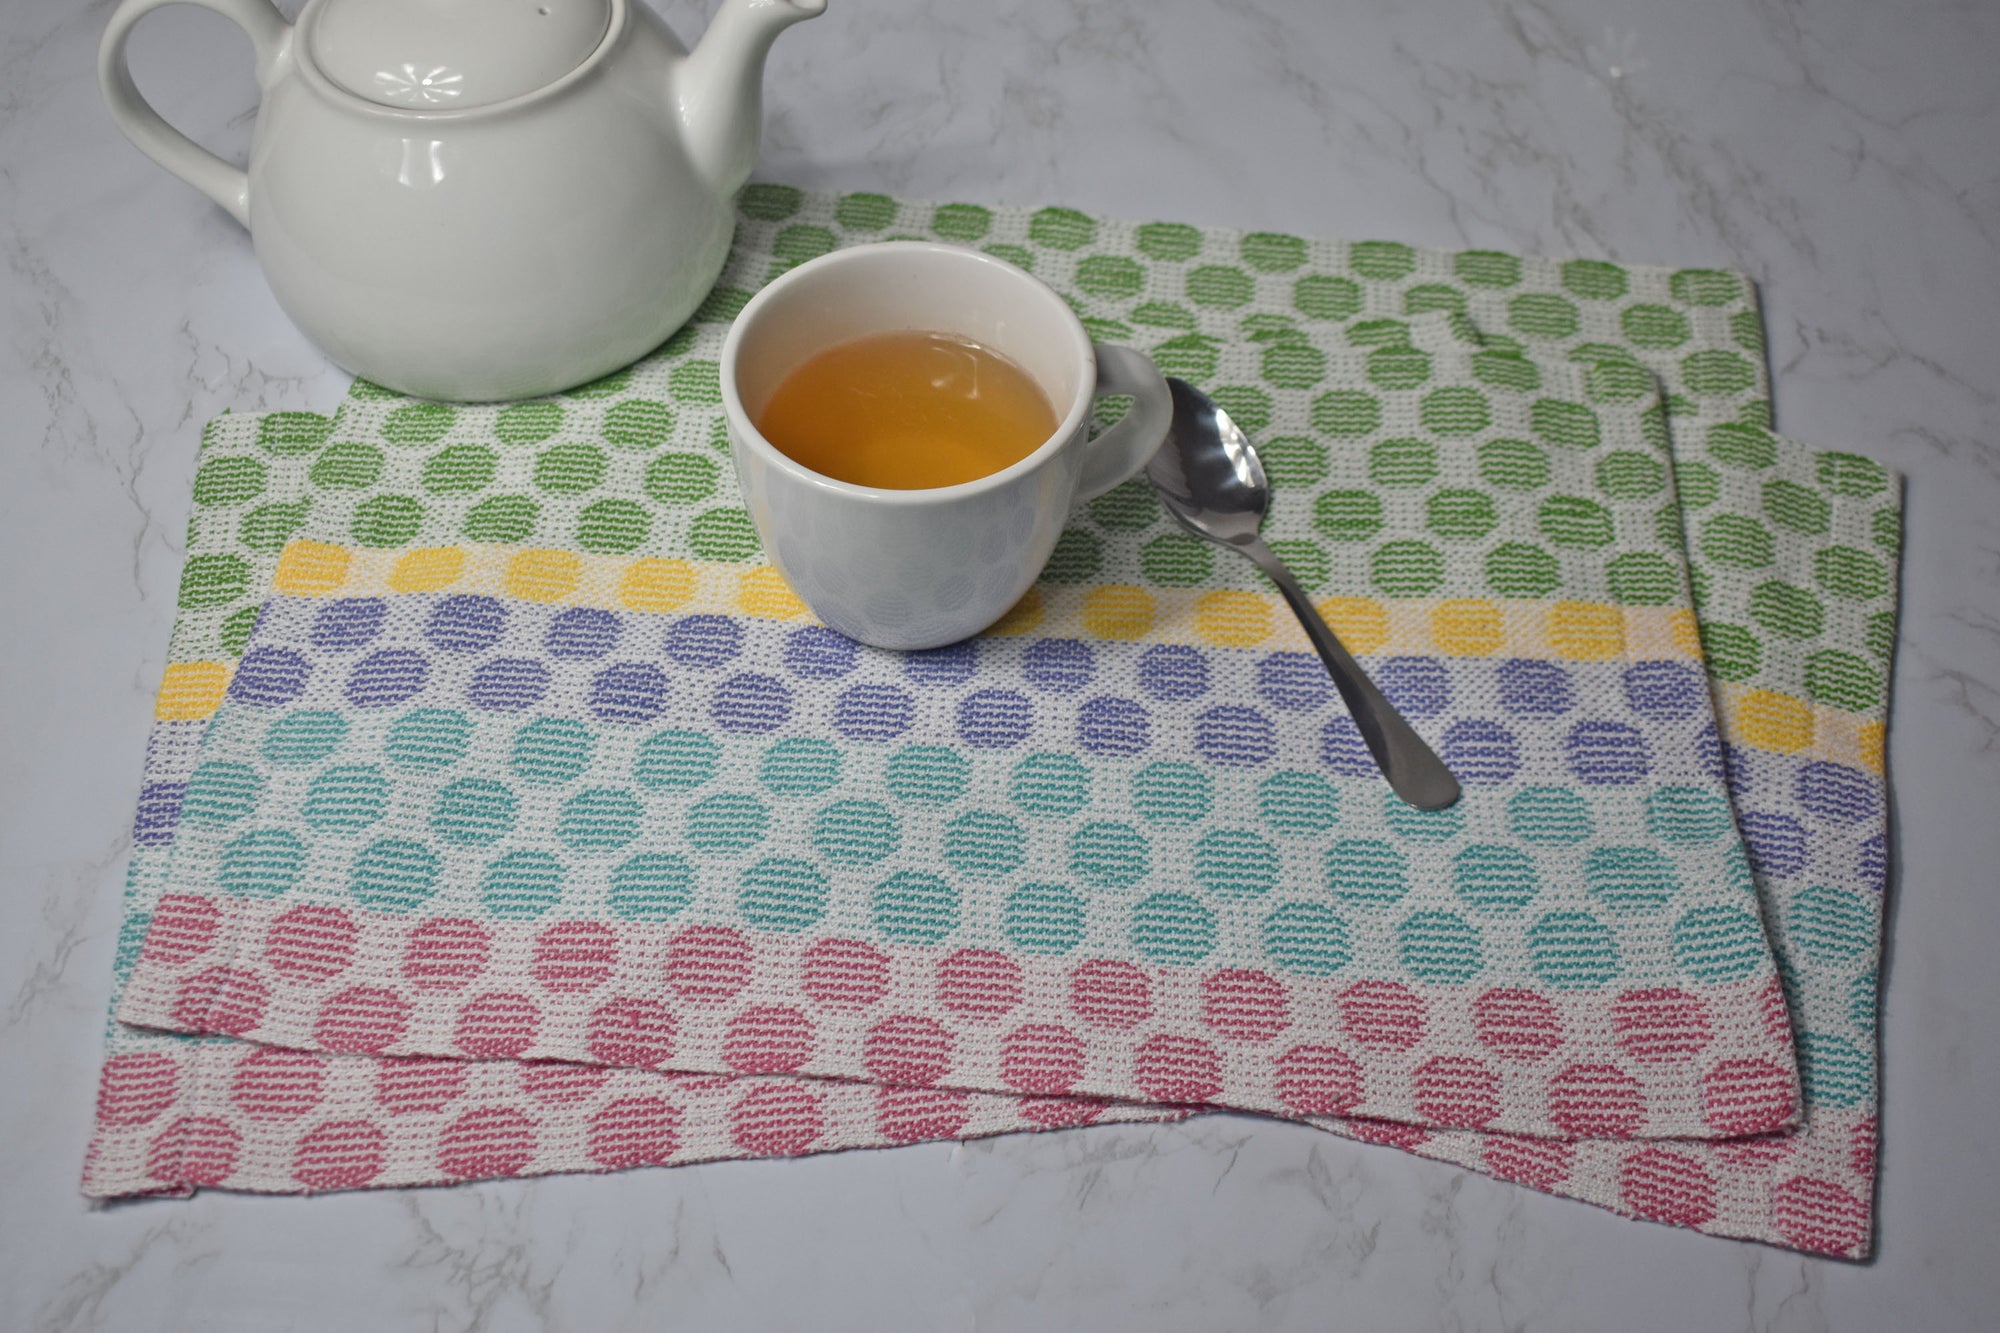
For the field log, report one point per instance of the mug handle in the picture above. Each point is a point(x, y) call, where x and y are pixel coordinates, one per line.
point(224, 182)
point(1122, 451)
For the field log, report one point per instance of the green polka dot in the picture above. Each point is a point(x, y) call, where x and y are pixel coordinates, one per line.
point(1176, 560)
point(1346, 413)
point(722, 305)
point(268, 527)
point(521, 885)
point(1128, 507)
point(347, 466)
point(1061, 229)
point(1298, 804)
point(1247, 405)
point(1460, 515)
point(1747, 328)
point(427, 739)
point(527, 423)
point(213, 580)
point(1365, 871)
point(1564, 424)
point(1384, 261)
point(1630, 475)
point(418, 423)
point(599, 819)
point(769, 203)
point(1431, 296)
point(1495, 878)
point(552, 750)
point(1732, 652)
point(1654, 326)
point(1506, 370)
point(1882, 633)
point(1716, 373)
point(1735, 444)
point(1191, 356)
point(1164, 315)
point(915, 907)
point(1518, 569)
point(1042, 919)
point(1378, 333)
point(236, 630)
point(1834, 1071)
point(1050, 786)
point(1630, 879)
point(855, 833)
point(1486, 268)
point(803, 766)
point(961, 222)
point(219, 792)
point(1398, 367)
point(1414, 825)
point(1698, 483)
point(865, 212)
point(286, 433)
point(1017, 255)
point(802, 241)
point(473, 812)
point(228, 481)
point(262, 863)
point(386, 521)
point(1347, 516)
point(1541, 316)
point(1402, 462)
point(726, 823)
point(1640, 578)
point(1306, 558)
point(501, 519)
point(695, 381)
point(569, 469)
point(345, 798)
point(1513, 465)
point(1109, 856)
point(1787, 611)
point(652, 886)
point(1850, 474)
point(1830, 925)
point(1454, 411)
point(1574, 522)
point(613, 527)
point(1272, 252)
point(1843, 681)
point(393, 875)
point(1549, 816)
point(725, 535)
point(459, 469)
point(1219, 286)
point(1705, 286)
point(1573, 951)
point(1406, 569)
point(1688, 816)
point(1171, 792)
point(1593, 279)
point(675, 759)
point(605, 386)
point(1077, 557)
point(782, 893)
point(981, 845)
point(304, 737)
point(1173, 928)
point(1440, 948)
point(1291, 365)
point(1885, 526)
point(1618, 382)
point(1171, 241)
point(1110, 277)
point(1736, 542)
point(1236, 863)
point(1321, 297)
point(1847, 571)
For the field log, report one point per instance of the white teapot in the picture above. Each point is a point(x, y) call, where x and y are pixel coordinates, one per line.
point(480, 199)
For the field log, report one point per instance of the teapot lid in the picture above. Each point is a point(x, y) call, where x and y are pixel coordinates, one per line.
point(448, 55)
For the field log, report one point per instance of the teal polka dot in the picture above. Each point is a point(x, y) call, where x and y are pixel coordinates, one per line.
point(552, 750)
point(1408, 822)
point(855, 833)
point(1861, 997)
point(599, 819)
point(427, 739)
point(1630, 879)
point(1719, 943)
point(263, 863)
point(1171, 792)
point(1495, 878)
point(1109, 856)
point(1306, 938)
point(915, 907)
point(1573, 951)
point(521, 885)
point(1830, 925)
point(1236, 863)
point(782, 893)
point(345, 798)
point(927, 775)
point(1042, 918)
point(980, 845)
point(473, 812)
point(1173, 928)
point(800, 766)
point(1367, 872)
point(1549, 816)
point(220, 792)
point(304, 737)
point(1833, 1071)
point(1298, 804)
point(1440, 947)
point(1688, 815)
point(651, 886)
point(393, 875)
point(725, 823)
point(1053, 786)
point(675, 760)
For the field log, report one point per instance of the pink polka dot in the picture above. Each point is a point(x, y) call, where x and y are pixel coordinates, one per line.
point(708, 964)
point(310, 944)
point(1110, 994)
point(1760, 1153)
point(573, 956)
point(492, 1141)
point(777, 1119)
point(1542, 1164)
point(627, 1031)
point(979, 983)
point(445, 953)
point(361, 1020)
point(339, 1155)
point(273, 1084)
point(1168, 1068)
point(1595, 1102)
point(1245, 1006)
point(497, 1026)
point(768, 1039)
point(1654, 1026)
point(1382, 1015)
point(1319, 1080)
point(1747, 1096)
point(1668, 1186)
point(408, 1086)
point(228, 1000)
point(1061, 1112)
point(1457, 1092)
point(844, 974)
point(1387, 1133)
point(910, 1115)
point(635, 1131)
point(1861, 1149)
point(1041, 1057)
point(907, 1049)
point(1517, 1024)
point(134, 1088)
point(193, 1150)
point(183, 929)
point(1776, 1013)
point(557, 1083)
point(1819, 1215)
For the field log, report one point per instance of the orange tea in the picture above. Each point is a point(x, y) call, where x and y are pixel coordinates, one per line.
point(907, 411)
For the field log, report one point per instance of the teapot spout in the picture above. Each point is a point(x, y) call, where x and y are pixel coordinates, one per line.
point(720, 87)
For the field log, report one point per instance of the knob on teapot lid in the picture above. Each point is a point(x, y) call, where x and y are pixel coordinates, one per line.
point(445, 55)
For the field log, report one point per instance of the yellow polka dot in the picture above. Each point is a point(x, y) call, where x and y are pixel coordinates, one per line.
point(1870, 750)
point(1685, 631)
point(426, 569)
point(1361, 625)
point(1586, 631)
point(764, 592)
point(1466, 628)
point(658, 585)
point(1772, 721)
point(311, 569)
point(544, 575)
point(190, 691)
point(1118, 612)
point(1021, 617)
point(1232, 619)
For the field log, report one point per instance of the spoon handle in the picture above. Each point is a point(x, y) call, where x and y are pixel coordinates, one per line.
point(1413, 769)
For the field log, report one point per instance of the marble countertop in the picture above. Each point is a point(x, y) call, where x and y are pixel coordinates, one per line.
point(1843, 152)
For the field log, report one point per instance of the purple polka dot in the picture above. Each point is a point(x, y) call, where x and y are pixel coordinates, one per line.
point(1173, 671)
point(1342, 749)
point(1665, 691)
point(270, 677)
point(1776, 843)
point(1874, 863)
point(1608, 754)
point(1295, 682)
point(751, 702)
point(581, 632)
point(628, 692)
point(943, 667)
point(1837, 793)
point(1060, 666)
point(1233, 736)
point(995, 719)
point(819, 653)
point(1109, 725)
point(159, 811)
point(1707, 744)
point(463, 623)
point(873, 713)
point(704, 641)
point(1531, 688)
point(508, 684)
point(349, 623)
point(1744, 769)
point(387, 678)
point(1418, 686)
point(1480, 753)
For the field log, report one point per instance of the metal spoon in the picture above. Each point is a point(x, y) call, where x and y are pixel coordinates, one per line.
point(1208, 474)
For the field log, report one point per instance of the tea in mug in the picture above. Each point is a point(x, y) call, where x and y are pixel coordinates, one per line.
point(908, 411)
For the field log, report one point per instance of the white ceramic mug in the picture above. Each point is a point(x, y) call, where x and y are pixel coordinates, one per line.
point(921, 568)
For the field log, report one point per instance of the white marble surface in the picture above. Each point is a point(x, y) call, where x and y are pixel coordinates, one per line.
point(1842, 151)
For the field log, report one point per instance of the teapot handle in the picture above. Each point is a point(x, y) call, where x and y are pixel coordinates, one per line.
point(224, 182)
